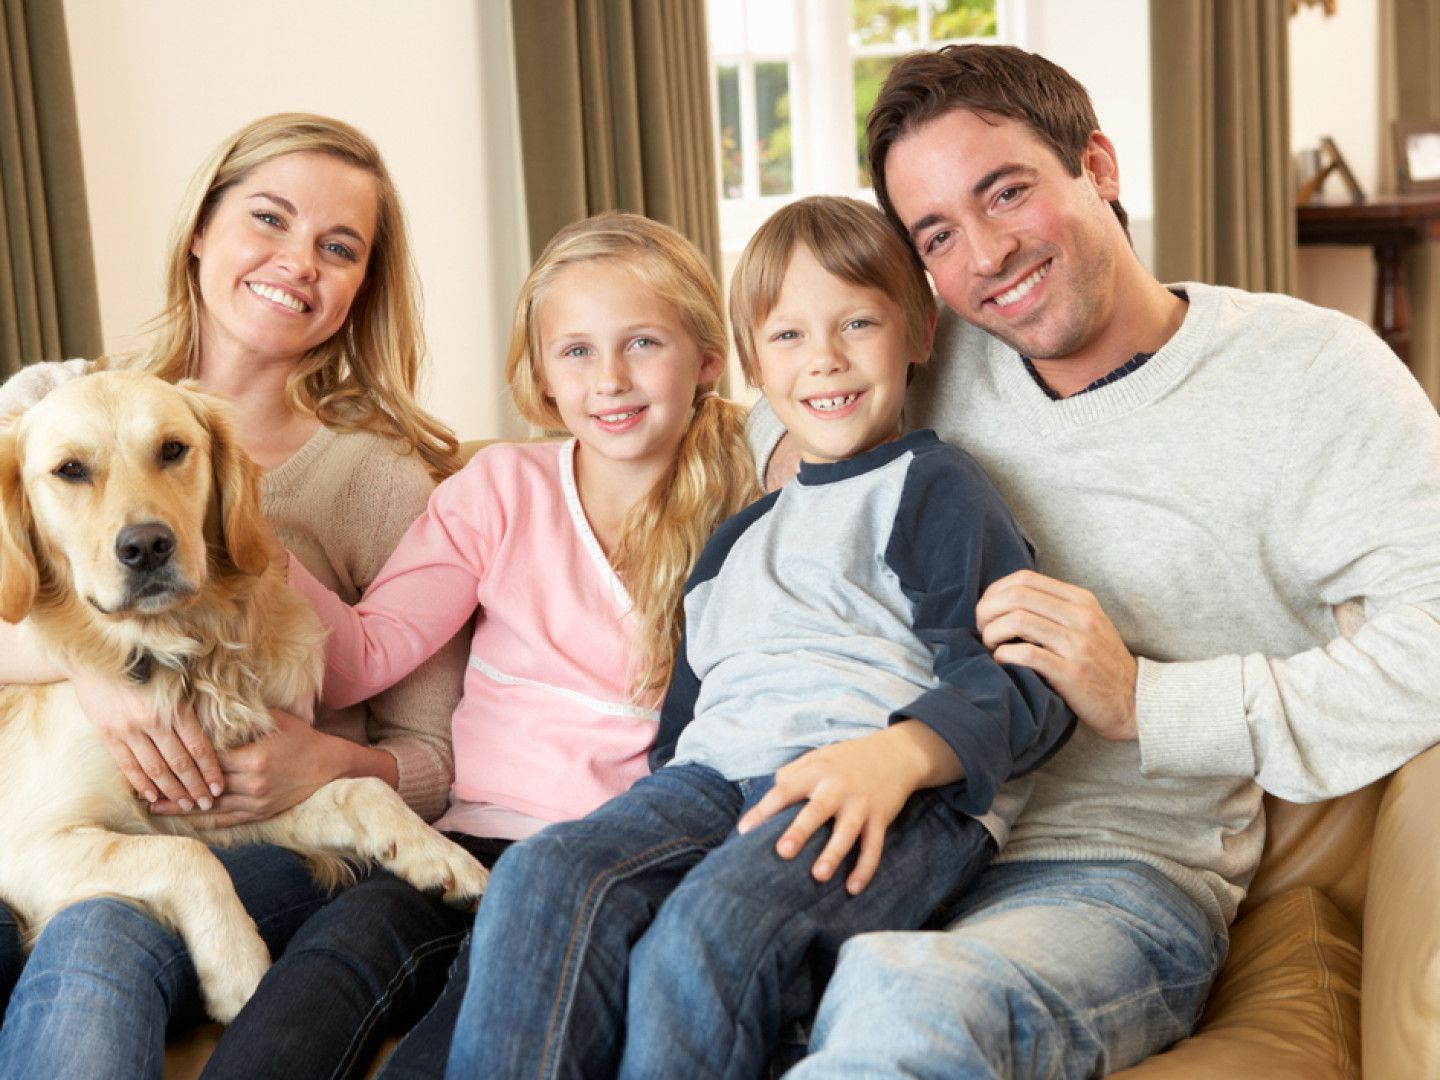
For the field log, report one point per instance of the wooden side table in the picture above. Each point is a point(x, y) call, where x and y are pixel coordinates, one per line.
point(1389, 224)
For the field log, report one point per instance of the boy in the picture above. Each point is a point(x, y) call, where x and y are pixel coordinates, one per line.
point(830, 658)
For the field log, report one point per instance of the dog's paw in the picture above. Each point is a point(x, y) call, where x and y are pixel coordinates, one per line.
point(436, 865)
point(228, 985)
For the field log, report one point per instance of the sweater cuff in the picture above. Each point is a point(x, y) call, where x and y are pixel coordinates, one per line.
point(1191, 718)
point(763, 432)
point(421, 782)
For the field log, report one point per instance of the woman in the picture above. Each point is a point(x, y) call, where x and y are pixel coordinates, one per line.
point(289, 291)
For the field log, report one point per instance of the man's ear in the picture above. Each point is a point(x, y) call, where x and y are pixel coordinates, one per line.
point(1101, 165)
point(19, 573)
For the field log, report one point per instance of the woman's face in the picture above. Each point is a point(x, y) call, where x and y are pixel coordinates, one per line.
point(282, 257)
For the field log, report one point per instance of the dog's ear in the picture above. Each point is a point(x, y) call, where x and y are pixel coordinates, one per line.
point(19, 575)
point(236, 482)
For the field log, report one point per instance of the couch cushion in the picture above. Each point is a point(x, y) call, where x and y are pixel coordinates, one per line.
point(1287, 1004)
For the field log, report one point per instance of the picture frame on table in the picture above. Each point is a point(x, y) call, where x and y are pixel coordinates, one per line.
point(1417, 156)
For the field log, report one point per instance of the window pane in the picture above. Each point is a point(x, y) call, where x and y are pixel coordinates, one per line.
point(726, 26)
point(961, 19)
point(771, 25)
point(772, 126)
point(732, 167)
point(870, 75)
point(884, 22)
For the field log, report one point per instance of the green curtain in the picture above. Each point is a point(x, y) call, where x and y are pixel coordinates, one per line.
point(49, 308)
point(615, 114)
point(1224, 203)
point(1410, 57)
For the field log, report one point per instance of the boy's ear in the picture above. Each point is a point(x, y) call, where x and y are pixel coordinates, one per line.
point(929, 338)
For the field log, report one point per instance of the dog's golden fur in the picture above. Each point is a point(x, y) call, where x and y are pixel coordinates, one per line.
point(131, 544)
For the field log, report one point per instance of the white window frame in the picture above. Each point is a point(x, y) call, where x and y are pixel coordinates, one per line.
point(822, 108)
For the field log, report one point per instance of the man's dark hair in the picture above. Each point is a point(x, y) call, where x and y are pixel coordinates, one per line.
point(999, 80)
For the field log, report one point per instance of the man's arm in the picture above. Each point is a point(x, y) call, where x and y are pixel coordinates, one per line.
point(777, 456)
point(1357, 518)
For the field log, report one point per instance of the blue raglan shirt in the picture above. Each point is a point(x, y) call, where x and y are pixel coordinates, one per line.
point(845, 602)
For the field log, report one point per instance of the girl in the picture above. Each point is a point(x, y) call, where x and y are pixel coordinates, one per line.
point(574, 553)
point(289, 290)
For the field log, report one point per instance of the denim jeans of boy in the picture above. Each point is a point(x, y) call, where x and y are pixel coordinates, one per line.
point(652, 940)
point(1051, 969)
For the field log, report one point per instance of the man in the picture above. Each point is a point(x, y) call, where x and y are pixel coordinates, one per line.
point(1208, 475)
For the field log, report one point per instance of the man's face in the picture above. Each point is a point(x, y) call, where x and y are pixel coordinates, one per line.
point(1015, 244)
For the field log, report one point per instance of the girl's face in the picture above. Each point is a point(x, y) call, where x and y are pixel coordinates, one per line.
point(618, 362)
point(282, 257)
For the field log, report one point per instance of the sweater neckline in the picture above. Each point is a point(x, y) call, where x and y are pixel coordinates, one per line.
point(297, 465)
point(1169, 363)
point(588, 540)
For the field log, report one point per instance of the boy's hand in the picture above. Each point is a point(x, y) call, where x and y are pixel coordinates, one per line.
point(862, 784)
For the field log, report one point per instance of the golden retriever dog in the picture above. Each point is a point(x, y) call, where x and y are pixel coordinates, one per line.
point(131, 544)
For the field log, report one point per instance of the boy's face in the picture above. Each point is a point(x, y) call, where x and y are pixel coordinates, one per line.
point(833, 362)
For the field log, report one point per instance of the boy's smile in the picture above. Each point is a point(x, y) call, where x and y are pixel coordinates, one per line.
point(833, 359)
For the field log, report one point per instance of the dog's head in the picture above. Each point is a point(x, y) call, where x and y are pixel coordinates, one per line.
point(105, 489)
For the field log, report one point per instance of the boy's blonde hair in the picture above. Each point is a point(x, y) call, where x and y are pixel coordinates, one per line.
point(362, 378)
point(713, 475)
point(849, 239)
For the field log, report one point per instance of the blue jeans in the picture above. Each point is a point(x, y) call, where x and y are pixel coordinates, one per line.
point(366, 965)
point(11, 956)
point(652, 938)
point(105, 980)
point(422, 1052)
point(1053, 969)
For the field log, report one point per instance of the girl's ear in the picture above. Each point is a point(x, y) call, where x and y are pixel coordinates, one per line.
point(711, 366)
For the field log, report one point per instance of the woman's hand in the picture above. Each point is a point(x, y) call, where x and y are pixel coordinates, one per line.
point(860, 783)
point(163, 757)
point(284, 768)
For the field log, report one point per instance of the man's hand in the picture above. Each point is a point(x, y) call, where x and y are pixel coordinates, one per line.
point(1061, 631)
point(163, 757)
point(862, 784)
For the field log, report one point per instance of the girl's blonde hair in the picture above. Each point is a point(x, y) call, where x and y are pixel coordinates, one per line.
point(363, 378)
point(713, 475)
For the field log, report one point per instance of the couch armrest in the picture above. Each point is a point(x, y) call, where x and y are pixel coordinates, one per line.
point(1400, 985)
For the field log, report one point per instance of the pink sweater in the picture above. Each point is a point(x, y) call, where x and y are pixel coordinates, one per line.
point(546, 726)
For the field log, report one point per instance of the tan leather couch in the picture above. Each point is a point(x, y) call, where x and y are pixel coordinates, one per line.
point(1298, 998)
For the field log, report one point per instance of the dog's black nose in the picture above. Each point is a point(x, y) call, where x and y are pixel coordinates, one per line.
point(145, 547)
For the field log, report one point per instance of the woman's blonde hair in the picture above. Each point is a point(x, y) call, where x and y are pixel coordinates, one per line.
point(363, 378)
point(713, 475)
point(851, 240)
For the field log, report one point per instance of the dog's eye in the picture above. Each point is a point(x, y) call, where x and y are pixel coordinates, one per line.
point(73, 472)
point(172, 451)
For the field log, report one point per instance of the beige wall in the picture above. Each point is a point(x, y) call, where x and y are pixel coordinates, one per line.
point(1335, 91)
point(160, 82)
